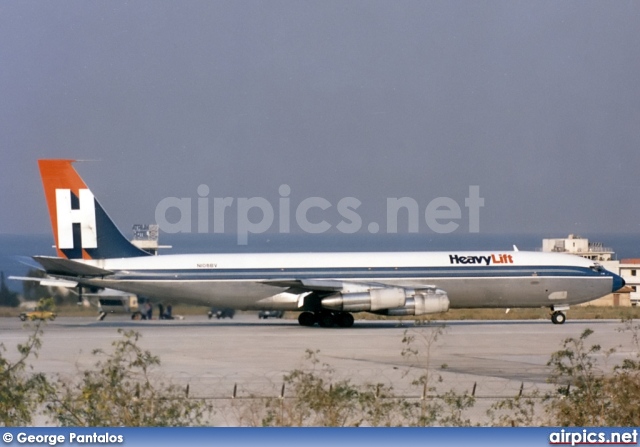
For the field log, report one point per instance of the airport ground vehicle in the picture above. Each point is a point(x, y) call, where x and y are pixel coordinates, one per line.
point(264, 314)
point(115, 302)
point(38, 315)
point(221, 313)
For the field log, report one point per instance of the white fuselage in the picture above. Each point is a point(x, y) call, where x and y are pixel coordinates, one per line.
point(254, 281)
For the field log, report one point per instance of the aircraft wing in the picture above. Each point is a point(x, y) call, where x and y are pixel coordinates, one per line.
point(357, 296)
point(335, 285)
point(47, 282)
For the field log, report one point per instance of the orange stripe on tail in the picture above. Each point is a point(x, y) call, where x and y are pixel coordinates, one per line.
point(58, 174)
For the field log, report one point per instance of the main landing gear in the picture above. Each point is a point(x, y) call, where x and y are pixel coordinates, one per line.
point(326, 319)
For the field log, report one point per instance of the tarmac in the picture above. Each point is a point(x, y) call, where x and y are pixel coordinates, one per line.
point(214, 357)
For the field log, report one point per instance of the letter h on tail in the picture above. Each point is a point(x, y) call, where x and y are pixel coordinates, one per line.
point(85, 215)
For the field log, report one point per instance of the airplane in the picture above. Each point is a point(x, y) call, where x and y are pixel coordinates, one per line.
point(327, 288)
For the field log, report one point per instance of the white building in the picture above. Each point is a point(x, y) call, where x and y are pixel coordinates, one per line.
point(578, 246)
point(146, 238)
point(629, 269)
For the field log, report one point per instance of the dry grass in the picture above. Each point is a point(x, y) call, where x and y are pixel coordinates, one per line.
point(70, 310)
point(575, 313)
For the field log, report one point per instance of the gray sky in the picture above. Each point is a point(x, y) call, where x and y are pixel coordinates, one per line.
point(538, 103)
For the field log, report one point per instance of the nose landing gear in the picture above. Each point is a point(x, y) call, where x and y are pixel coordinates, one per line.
point(558, 315)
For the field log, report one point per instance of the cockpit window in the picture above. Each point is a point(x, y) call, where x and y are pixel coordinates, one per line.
point(597, 268)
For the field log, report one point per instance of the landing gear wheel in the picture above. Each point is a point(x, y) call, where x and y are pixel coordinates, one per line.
point(326, 320)
point(558, 317)
point(306, 319)
point(344, 319)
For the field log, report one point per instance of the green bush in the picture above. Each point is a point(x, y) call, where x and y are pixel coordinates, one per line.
point(21, 391)
point(119, 391)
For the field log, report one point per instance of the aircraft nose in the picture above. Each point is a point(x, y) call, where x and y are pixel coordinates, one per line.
point(618, 282)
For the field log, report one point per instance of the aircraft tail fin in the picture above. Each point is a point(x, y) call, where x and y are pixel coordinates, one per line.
point(81, 227)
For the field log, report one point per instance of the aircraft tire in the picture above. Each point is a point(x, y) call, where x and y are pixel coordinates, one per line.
point(306, 319)
point(558, 317)
point(326, 320)
point(344, 319)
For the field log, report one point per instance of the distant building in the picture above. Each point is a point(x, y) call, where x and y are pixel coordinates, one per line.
point(580, 246)
point(146, 237)
point(629, 269)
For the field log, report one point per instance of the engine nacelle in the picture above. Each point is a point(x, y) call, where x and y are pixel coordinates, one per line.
point(375, 299)
point(428, 301)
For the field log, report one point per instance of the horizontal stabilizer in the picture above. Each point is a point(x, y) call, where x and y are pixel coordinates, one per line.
point(28, 261)
point(66, 267)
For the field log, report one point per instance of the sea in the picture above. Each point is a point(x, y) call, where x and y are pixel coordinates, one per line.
point(16, 250)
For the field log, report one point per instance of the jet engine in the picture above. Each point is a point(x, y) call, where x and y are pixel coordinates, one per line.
point(372, 300)
point(426, 301)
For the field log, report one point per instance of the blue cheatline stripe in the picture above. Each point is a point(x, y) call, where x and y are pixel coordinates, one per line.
point(362, 273)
